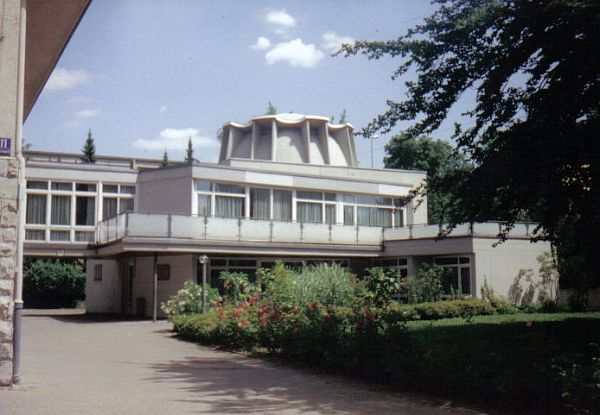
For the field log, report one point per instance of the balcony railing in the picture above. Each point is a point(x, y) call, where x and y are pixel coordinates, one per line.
point(159, 226)
point(189, 227)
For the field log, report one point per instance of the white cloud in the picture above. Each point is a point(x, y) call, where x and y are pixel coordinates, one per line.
point(332, 41)
point(176, 139)
point(163, 108)
point(295, 53)
point(62, 78)
point(79, 100)
point(280, 19)
point(87, 113)
point(262, 43)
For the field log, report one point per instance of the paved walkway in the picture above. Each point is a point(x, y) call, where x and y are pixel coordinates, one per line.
point(74, 365)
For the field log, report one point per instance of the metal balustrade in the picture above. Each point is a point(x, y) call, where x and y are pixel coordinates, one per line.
point(174, 226)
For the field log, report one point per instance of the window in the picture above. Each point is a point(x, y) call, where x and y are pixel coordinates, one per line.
point(310, 212)
point(259, 203)
point(348, 215)
point(457, 274)
point(330, 213)
point(163, 272)
point(81, 236)
point(61, 210)
point(36, 209)
point(204, 205)
point(67, 187)
point(282, 205)
point(110, 188)
point(229, 207)
point(60, 236)
point(368, 216)
point(37, 185)
point(109, 207)
point(372, 210)
point(217, 265)
point(98, 272)
point(125, 205)
point(85, 187)
point(85, 211)
point(129, 190)
point(35, 235)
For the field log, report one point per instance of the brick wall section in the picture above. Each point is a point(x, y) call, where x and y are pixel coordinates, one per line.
point(8, 236)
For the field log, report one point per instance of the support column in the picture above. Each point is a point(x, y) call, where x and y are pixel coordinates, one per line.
point(155, 289)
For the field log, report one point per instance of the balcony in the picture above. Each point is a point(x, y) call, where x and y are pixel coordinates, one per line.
point(477, 230)
point(200, 228)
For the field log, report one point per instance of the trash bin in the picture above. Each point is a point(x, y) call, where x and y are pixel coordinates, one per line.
point(140, 307)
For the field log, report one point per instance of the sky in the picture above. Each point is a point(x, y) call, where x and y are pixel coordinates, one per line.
point(144, 75)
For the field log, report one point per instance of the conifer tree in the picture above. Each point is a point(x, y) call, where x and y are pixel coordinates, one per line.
point(189, 153)
point(89, 149)
point(165, 159)
point(271, 109)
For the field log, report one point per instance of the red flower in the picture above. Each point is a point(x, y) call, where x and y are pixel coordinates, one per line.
point(245, 304)
point(326, 317)
point(358, 325)
point(261, 309)
point(314, 306)
point(245, 322)
point(238, 312)
point(296, 330)
point(273, 317)
point(263, 323)
point(294, 310)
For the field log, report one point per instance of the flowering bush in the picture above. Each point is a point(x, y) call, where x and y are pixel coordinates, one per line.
point(188, 300)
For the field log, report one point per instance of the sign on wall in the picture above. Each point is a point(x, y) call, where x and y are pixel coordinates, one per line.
point(4, 146)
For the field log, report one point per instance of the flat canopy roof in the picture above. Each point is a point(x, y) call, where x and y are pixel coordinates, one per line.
point(50, 25)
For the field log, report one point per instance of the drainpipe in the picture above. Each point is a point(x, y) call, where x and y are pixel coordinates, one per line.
point(155, 289)
point(18, 296)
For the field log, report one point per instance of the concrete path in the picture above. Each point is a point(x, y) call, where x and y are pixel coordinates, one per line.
point(75, 365)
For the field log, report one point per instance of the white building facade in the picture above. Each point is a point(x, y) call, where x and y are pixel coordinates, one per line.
point(286, 187)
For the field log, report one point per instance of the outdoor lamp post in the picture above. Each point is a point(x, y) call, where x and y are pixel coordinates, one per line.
point(203, 260)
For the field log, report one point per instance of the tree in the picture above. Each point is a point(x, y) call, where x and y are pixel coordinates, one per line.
point(165, 160)
point(534, 68)
point(53, 283)
point(438, 158)
point(89, 149)
point(271, 109)
point(189, 153)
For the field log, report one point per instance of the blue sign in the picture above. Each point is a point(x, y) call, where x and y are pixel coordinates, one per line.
point(4, 146)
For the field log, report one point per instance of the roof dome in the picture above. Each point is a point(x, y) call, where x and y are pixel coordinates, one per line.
point(290, 138)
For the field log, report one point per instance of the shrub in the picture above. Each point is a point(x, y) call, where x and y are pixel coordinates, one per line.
point(443, 309)
point(277, 283)
point(382, 285)
point(328, 284)
point(200, 327)
point(53, 284)
point(188, 300)
point(237, 287)
point(426, 287)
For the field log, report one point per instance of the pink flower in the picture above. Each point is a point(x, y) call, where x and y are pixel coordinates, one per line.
point(529, 324)
point(238, 312)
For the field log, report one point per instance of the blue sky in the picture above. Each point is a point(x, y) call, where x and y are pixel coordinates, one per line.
point(144, 75)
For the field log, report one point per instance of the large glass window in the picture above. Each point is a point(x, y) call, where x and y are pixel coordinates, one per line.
point(259, 203)
point(204, 205)
point(36, 209)
point(368, 216)
point(229, 207)
point(457, 274)
point(85, 211)
point(109, 207)
point(282, 205)
point(309, 212)
point(348, 215)
point(61, 210)
point(126, 205)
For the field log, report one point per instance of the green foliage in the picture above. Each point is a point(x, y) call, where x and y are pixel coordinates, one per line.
point(188, 300)
point(88, 152)
point(189, 153)
point(53, 284)
point(328, 284)
point(237, 287)
point(445, 309)
point(438, 158)
point(427, 286)
point(271, 109)
point(382, 285)
point(165, 160)
point(277, 283)
point(532, 128)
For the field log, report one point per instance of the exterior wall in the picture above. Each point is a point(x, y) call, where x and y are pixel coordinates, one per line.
point(103, 296)
point(501, 266)
point(165, 191)
point(182, 269)
point(9, 52)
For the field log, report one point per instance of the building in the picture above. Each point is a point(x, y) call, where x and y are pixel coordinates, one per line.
point(286, 187)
